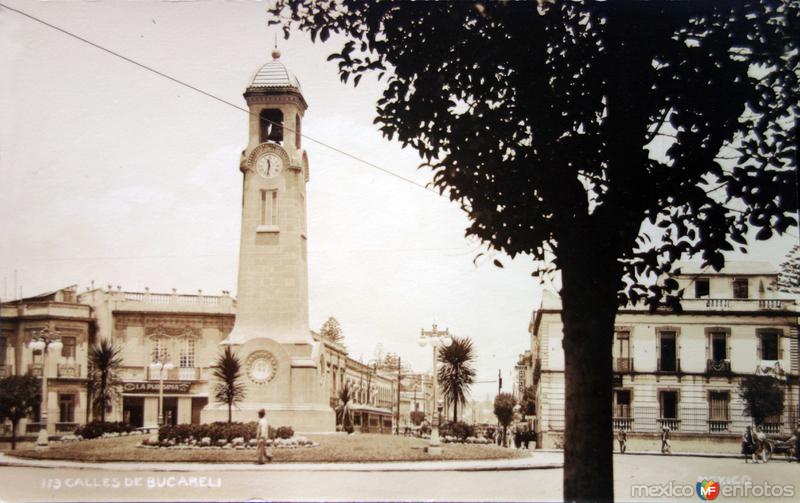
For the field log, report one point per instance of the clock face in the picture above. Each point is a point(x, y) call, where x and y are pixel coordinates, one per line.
point(269, 165)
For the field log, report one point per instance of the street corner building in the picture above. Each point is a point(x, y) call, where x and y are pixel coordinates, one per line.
point(289, 370)
point(683, 369)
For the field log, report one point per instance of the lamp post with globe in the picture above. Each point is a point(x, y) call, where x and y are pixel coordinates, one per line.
point(435, 339)
point(161, 365)
point(44, 341)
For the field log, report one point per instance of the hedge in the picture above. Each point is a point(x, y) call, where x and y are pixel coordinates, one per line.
point(95, 429)
point(182, 433)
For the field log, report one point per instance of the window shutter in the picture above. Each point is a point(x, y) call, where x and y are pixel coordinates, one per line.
point(709, 336)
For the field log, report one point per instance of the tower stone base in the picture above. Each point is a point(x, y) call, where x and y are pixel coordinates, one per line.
point(286, 380)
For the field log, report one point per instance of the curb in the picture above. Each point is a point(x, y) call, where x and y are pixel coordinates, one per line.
point(418, 466)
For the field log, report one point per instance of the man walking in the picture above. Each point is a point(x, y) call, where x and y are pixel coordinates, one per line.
point(262, 435)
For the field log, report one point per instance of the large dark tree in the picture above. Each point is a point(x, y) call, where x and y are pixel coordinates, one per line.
point(105, 361)
point(456, 372)
point(19, 395)
point(763, 397)
point(614, 137)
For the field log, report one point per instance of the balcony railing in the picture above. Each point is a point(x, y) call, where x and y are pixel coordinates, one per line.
point(69, 370)
point(176, 374)
point(623, 423)
point(33, 427)
point(738, 304)
point(669, 365)
point(6, 371)
point(672, 423)
point(718, 366)
point(35, 369)
point(772, 427)
point(718, 425)
point(623, 364)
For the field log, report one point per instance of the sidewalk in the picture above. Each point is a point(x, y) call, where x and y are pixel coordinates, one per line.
point(729, 455)
point(539, 460)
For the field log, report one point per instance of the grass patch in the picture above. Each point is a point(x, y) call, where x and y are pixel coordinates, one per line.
point(338, 448)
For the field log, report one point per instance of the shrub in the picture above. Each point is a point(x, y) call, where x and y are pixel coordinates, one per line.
point(458, 431)
point(284, 432)
point(95, 429)
point(183, 433)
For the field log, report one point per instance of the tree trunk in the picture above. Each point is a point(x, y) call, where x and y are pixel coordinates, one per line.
point(14, 434)
point(589, 308)
point(230, 413)
point(455, 411)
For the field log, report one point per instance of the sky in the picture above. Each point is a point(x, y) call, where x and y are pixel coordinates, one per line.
point(113, 175)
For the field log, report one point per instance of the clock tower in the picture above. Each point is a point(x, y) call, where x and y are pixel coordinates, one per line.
point(283, 367)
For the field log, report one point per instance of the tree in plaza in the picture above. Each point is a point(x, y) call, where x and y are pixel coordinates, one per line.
point(228, 389)
point(456, 372)
point(331, 330)
point(19, 395)
point(789, 277)
point(105, 360)
point(345, 414)
point(504, 410)
point(606, 140)
point(763, 397)
point(528, 402)
point(417, 416)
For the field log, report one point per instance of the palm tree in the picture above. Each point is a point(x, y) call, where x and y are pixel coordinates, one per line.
point(344, 409)
point(456, 374)
point(105, 360)
point(227, 370)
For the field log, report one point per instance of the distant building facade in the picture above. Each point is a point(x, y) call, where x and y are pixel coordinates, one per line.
point(185, 330)
point(682, 369)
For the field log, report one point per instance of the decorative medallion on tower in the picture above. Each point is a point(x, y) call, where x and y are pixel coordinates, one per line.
point(262, 366)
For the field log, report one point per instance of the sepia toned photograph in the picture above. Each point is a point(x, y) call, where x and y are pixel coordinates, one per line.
point(340, 250)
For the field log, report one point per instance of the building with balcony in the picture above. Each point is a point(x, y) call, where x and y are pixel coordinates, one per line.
point(59, 311)
point(682, 369)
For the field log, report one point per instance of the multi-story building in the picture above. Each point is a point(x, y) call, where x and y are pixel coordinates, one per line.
point(60, 313)
point(682, 369)
point(184, 330)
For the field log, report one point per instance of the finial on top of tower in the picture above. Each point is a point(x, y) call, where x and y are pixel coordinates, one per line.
point(275, 52)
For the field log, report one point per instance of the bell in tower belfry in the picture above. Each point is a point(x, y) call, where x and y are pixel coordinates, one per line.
point(283, 366)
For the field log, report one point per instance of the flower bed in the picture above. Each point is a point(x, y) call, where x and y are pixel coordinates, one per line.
point(221, 435)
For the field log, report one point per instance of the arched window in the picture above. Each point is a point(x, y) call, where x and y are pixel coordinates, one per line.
point(297, 131)
point(271, 125)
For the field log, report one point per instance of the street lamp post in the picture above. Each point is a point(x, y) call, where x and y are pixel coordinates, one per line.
point(434, 338)
point(161, 366)
point(43, 341)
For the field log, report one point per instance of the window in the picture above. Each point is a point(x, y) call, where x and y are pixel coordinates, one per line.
point(622, 403)
point(768, 346)
point(623, 362)
point(68, 348)
point(719, 346)
point(271, 125)
point(187, 353)
point(701, 288)
point(66, 408)
point(3, 350)
point(718, 405)
point(160, 352)
point(668, 360)
point(269, 207)
point(297, 135)
point(740, 288)
point(668, 401)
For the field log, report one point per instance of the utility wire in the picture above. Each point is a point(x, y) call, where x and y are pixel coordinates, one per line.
point(216, 98)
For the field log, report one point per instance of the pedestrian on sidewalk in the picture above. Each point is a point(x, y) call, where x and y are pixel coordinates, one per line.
point(665, 447)
point(262, 435)
point(622, 438)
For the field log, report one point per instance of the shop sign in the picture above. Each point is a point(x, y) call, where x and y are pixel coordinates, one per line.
point(153, 387)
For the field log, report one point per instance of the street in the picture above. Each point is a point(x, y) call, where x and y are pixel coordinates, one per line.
point(666, 478)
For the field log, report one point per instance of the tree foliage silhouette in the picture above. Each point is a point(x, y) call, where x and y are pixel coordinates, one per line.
point(611, 137)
